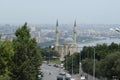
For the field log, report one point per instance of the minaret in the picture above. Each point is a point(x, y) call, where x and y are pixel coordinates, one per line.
point(75, 33)
point(57, 38)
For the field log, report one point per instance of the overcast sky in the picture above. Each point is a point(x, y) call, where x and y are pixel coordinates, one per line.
point(66, 11)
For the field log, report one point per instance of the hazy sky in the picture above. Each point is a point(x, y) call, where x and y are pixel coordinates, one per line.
point(66, 11)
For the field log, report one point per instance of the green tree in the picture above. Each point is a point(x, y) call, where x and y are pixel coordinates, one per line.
point(27, 58)
point(48, 53)
point(88, 62)
point(107, 60)
point(87, 52)
point(110, 66)
point(68, 62)
point(113, 47)
point(6, 54)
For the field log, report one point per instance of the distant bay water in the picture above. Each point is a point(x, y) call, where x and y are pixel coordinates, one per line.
point(107, 41)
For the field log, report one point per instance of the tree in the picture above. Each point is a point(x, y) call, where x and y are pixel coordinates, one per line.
point(110, 66)
point(113, 47)
point(87, 52)
point(87, 62)
point(107, 60)
point(27, 58)
point(68, 63)
point(6, 54)
point(48, 53)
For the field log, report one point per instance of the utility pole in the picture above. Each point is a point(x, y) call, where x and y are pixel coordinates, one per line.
point(51, 48)
point(94, 65)
point(72, 65)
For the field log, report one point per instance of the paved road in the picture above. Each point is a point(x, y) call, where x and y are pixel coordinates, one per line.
point(88, 77)
point(50, 69)
point(46, 69)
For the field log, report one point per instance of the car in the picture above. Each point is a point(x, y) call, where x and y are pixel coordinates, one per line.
point(59, 77)
point(82, 77)
point(68, 75)
point(45, 62)
point(72, 79)
point(61, 65)
point(40, 77)
point(55, 65)
point(62, 73)
point(49, 65)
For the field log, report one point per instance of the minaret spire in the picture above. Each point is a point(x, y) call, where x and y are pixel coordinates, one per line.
point(75, 23)
point(57, 23)
point(75, 33)
point(57, 32)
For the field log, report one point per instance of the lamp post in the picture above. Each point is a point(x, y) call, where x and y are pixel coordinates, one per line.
point(80, 69)
point(49, 58)
point(117, 30)
point(51, 48)
point(80, 65)
point(72, 63)
point(94, 65)
point(66, 52)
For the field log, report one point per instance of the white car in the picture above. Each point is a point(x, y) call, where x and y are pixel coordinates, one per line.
point(61, 65)
point(82, 77)
point(68, 75)
point(72, 79)
point(62, 73)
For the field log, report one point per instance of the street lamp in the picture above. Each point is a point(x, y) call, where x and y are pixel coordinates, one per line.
point(80, 69)
point(115, 29)
point(51, 48)
point(80, 64)
point(94, 65)
point(72, 62)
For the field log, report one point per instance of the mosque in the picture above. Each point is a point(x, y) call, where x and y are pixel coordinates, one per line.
point(69, 46)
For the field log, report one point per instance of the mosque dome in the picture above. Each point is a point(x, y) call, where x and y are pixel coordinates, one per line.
point(68, 40)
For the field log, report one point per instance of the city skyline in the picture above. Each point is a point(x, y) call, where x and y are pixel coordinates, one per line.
point(66, 11)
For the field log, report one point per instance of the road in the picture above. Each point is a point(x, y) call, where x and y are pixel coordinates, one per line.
point(50, 69)
point(46, 69)
point(88, 77)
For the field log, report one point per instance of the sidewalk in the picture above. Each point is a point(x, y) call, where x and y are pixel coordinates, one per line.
point(87, 76)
